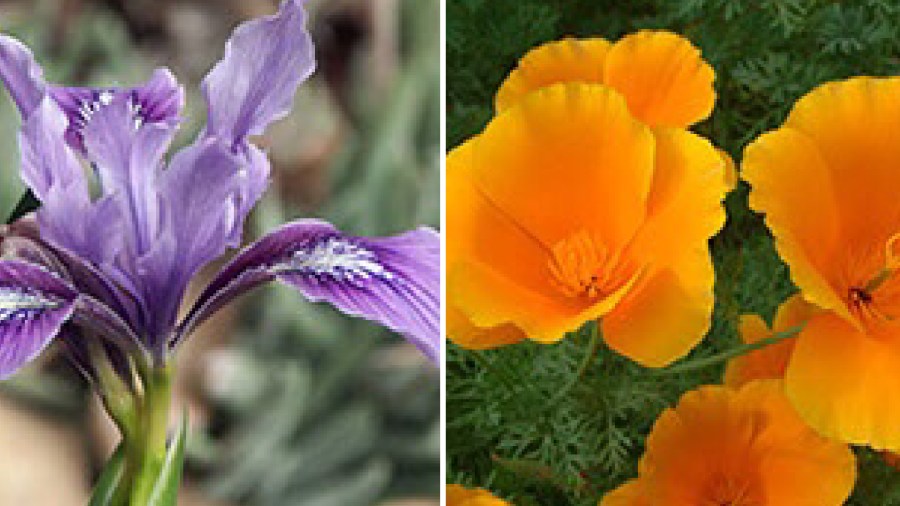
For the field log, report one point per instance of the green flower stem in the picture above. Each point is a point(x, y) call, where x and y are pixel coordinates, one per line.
point(124, 407)
point(702, 363)
point(155, 423)
point(586, 361)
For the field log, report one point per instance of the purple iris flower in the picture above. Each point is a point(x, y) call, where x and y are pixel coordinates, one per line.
point(121, 233)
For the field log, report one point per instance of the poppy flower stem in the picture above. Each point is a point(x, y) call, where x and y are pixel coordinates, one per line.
point(586, 361)
point(702, 363)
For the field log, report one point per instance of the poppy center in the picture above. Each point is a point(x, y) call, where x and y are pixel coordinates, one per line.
point(862, 297)
point(727, 491)
point(583, 267)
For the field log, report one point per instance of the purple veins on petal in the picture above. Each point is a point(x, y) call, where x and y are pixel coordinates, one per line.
point(394, 281)
point(34, 304)
point(265, 61)
point(21, 75)
point(159, 100)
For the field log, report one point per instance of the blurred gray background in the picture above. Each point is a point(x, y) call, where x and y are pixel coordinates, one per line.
point(290, 403)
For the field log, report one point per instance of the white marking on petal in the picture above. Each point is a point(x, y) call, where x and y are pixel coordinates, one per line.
point(105, 98)
point(337, 258)
point(18, 304)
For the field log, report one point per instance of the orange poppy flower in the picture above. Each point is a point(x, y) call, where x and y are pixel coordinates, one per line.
point(458, 495)
point(662, 76)
point(829, 185)
point(568, 209)
point(769, 362)
point(737, 447)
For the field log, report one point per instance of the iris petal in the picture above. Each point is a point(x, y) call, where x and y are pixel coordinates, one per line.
point(34, 304)
point(21, 75)
point(159, 100)
point(394, 281)
point(254, 83)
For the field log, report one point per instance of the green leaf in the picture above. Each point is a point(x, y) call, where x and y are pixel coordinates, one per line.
point(105, 490)
point(26, 204)
point(165, 492)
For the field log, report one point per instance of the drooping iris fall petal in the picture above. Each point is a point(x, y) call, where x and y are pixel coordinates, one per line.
point(34, 304)
point(457, 495)
point(394, 281)
point(568, 209)
point(662, 76)
point(746, 446)
point(827, 182)
point(771, 361)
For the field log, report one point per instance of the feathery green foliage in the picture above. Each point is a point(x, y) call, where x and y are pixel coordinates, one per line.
point(767, 54)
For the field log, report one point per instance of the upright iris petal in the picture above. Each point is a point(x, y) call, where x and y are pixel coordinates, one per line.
point(253, 85)
point(159, 100)
point(827, 182)
point(21, 75)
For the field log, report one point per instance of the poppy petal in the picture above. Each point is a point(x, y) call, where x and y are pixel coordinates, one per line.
point(491, 300)
point(461, 331)
point(665, 316)
point(769, 362)
point(854, 123)
point(797, 466)
point(684, 208)
point(668, 314)
point(574, 149)
point(663, 77)
point(746, 446)
point(839, 378)
point(630, 493)
point(792, 184)
point(564, 61)
point(477, 230)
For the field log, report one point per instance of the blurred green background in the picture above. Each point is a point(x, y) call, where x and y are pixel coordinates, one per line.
point(766, 53)
point(290, 403)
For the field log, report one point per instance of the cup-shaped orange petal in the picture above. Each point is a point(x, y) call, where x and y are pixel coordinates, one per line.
point(746, 446)
point(568, 209)
point(457, 495)
point(828, 183)
point(565, 61)
point(771, 361)
point(662, 76)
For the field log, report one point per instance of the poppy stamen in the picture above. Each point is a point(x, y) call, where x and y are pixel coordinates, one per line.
point(582, 266)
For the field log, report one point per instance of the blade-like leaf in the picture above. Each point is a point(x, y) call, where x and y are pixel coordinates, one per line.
point(165, 492)
point(105, 490)
point(26, 204)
